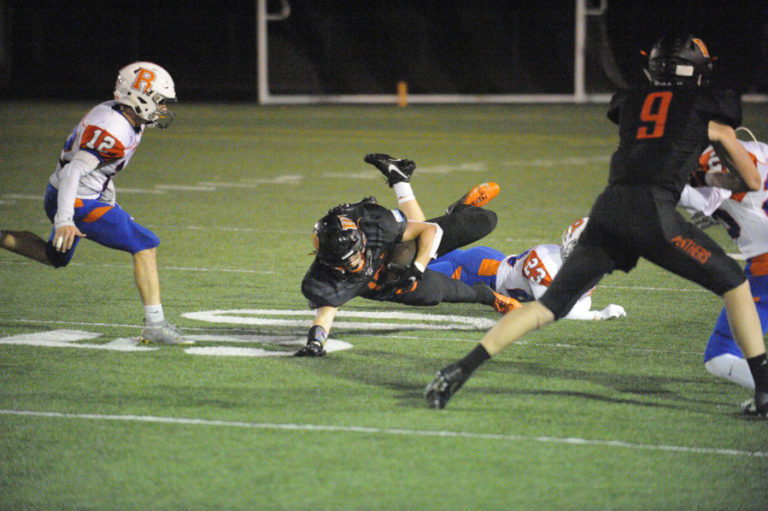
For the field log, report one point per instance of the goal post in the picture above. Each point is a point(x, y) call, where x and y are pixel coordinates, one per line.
point(589, 42)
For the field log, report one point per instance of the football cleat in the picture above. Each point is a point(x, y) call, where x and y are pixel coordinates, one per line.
point(505, 304)
point(757, 406)
point(312, 349)
point(395, 170)
point(447, 381)
point(478, 196)
point(162, 332)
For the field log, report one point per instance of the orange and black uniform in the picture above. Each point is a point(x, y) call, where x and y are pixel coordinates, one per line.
point(662, 132)
point(326, 286)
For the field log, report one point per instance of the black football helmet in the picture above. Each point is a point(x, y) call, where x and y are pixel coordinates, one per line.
point(337, 241)
point(679, 61)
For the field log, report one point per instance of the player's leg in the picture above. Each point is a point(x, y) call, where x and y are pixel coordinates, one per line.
point(435, 288)
point(531, 316)
point(464, 225)
point(478, 196)
point(745, 325)
point(27, 244)
point(398, 172)
point(580, 272)
point(744, 321)
point(693, 255)
point(722, 356)
point(472, 265)
point(31, 245)
point(111, 226)
point(447, 264)
point(146, 276)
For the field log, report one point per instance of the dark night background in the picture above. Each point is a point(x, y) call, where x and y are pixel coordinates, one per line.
point(73, 50)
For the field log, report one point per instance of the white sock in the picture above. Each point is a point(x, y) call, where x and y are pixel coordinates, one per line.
point(153, 313)
point(731, 368)
point(403, 191)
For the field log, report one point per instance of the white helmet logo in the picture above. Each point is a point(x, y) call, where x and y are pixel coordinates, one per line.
point(144, 80)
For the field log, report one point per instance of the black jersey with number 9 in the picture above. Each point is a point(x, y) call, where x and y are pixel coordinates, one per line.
point(663, 131)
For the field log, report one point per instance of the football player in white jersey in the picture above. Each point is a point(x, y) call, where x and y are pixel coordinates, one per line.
point(80, 198)
point(524, 276)
point(745, 218)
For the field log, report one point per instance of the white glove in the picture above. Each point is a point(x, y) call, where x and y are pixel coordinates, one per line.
point(610, 312)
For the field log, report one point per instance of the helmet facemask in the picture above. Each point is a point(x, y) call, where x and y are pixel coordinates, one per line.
point(162, 117)
point(341, 246)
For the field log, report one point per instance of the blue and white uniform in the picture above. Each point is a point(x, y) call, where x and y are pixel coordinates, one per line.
point(745, 217)
point(524, 277)
point(84, 195)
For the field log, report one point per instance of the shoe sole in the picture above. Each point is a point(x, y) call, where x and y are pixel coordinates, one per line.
point(482, 194)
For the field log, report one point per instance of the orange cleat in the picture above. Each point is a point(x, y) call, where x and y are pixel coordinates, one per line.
point(505, 304)
point(478, 196)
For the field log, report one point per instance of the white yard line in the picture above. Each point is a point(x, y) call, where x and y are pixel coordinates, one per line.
point(226, 330)
point(716, 451)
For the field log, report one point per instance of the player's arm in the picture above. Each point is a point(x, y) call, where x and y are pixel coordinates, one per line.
point(734, 156)
point(69, 179)
point(427, 236)
point(582, 310)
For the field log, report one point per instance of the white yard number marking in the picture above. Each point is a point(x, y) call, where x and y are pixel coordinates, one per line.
point(62, 338)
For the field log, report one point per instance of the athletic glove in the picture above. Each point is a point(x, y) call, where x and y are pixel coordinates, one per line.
point(703, 221)
point(610, 312)
point(406, 275)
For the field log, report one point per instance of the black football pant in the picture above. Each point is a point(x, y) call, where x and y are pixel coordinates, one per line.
point(629, 222)
point(462, 226)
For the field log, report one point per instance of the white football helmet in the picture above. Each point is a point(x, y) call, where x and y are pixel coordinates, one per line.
point(147, 88)
point(571, 236)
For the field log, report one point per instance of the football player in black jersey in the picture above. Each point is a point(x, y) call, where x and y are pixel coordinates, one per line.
point(663, 129)
point(364, 249)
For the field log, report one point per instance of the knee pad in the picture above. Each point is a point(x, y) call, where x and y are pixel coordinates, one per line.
point(731, 368)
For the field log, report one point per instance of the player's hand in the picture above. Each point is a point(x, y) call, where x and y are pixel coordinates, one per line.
point(612, 311)
point(64, 237)
point(703, 221)
point(407, 275)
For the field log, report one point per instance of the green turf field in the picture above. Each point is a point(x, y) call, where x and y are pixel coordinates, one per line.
point(616, 415)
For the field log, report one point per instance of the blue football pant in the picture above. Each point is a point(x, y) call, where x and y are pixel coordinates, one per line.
point(106, 224)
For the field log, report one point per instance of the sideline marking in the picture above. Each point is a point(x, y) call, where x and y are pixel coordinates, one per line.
point(390, 431)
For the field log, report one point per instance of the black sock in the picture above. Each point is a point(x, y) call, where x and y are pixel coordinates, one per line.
point(474, 359)
point(759, 367)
